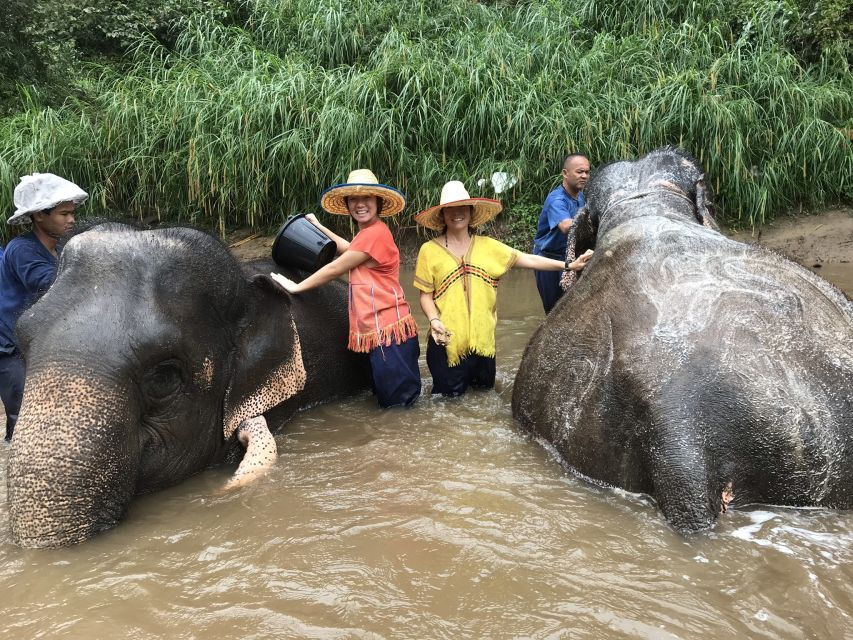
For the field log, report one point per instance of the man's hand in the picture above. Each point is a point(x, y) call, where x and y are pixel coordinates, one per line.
point(565, 224)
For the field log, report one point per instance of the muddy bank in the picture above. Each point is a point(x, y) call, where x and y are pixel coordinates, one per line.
point(821, 238)
point(809, 240)
point(822, 242)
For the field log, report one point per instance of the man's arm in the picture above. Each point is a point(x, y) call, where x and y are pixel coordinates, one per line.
point(35, 271)
point(560, 215)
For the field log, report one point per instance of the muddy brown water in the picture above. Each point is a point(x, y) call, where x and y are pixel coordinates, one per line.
point(438, 522)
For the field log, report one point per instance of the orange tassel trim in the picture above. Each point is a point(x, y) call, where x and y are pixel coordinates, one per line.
point(397, 332)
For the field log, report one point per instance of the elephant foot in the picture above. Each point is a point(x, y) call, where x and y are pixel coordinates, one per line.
point(727, 496)
point(261, 452)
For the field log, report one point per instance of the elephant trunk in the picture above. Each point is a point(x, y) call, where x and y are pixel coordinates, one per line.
point(74, 459)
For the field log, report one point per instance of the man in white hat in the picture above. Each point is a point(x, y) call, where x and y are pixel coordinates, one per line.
point(28, 268)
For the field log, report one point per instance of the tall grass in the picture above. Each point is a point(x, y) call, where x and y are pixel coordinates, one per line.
point(246, 125)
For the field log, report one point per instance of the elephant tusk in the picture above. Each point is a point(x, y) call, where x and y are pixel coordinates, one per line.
point(261, 452)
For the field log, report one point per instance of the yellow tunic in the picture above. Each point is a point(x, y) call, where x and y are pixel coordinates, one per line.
point(465, 291)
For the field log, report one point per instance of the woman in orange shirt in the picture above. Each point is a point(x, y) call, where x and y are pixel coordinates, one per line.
point(380, 321)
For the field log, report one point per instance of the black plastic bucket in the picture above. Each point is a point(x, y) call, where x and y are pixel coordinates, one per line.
point(301, 245)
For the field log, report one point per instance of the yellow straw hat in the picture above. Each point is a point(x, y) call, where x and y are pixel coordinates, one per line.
point(362, 182)
point(454, 194)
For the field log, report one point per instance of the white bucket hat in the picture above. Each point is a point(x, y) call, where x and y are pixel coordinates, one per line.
point(42, 191)
point(454, 194)
point(362, 182)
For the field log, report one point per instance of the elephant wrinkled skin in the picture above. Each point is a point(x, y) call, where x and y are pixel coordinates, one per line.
point(688, 366)
point(145, 356)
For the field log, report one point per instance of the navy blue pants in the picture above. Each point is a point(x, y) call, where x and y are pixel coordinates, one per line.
point(12, 374)
point(396, 375)
point(473, 370)
point(548, 283)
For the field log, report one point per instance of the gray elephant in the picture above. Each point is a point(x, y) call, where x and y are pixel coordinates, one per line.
point(153, 356)
point(687, 366)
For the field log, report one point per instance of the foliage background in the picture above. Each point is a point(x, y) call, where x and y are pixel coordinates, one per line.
point(228, 114)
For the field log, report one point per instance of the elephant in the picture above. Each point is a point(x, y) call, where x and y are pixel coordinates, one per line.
point(687, 366)
point(153, 356)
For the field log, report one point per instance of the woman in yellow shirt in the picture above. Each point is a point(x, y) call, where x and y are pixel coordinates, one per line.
point(457, 274)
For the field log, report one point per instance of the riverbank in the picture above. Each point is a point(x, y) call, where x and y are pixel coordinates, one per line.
point(822, 242)
point(815, 240)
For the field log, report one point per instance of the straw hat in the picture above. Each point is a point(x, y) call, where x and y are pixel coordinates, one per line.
point(362, 182)
point(453, 194)
point(42, 191)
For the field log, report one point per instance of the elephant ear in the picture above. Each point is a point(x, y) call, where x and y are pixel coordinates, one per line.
point(582, 236)
point(267, 367)
point(705, 211)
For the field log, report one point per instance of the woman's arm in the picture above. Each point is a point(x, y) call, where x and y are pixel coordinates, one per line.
point(436, 326)
point(541, 263)
point(341, 244)
point(335, 269)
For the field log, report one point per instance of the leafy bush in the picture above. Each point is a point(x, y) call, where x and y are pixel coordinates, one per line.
point(46, 39)
point(237, 126)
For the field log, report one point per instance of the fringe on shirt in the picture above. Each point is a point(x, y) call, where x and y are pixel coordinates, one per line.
point(398, 332)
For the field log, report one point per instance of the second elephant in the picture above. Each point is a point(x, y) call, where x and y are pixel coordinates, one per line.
point(686, 365)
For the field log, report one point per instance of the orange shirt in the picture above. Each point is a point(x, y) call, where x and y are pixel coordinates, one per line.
point(378, 311)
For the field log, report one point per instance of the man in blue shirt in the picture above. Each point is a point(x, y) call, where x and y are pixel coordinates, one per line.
point(28, 268)
point(561, 206)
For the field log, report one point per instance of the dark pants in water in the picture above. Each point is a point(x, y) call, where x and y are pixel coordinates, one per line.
point(473, 370)
point(396, 375)
point(548, 282)
point(12, 374)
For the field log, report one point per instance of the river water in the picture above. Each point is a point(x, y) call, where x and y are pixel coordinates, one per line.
point(438, 522)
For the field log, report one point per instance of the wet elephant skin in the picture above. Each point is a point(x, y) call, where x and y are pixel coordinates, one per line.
point(142, 358)
point(688, 366)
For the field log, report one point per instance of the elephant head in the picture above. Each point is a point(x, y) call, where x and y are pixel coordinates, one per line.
point(143, 357)
point(618, 191)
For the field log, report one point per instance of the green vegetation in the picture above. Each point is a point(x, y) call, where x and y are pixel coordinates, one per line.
point(243, 121)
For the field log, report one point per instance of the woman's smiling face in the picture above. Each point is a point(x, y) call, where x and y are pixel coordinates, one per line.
point(363, 209)
point(458, 217)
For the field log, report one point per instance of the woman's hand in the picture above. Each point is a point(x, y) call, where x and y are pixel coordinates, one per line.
point(581, 261)
point(310, 217)
point(439, 332)
point(285, 283)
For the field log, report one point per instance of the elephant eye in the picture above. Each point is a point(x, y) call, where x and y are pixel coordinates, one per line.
point(163, 380)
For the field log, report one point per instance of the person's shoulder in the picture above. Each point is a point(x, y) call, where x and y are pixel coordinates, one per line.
point(383, 228)
point(364, 234)
point(24, 243)
point(490, 244)
point(556, 193)
point(428, 251)
point(377, 230)
point(23, 239)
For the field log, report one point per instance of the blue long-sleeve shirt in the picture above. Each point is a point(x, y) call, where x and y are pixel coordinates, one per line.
point(559, 205)
point(27, 270)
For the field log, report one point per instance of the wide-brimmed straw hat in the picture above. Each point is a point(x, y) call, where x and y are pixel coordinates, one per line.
point(42, 191)
point(362, 182)
point(454, 194)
